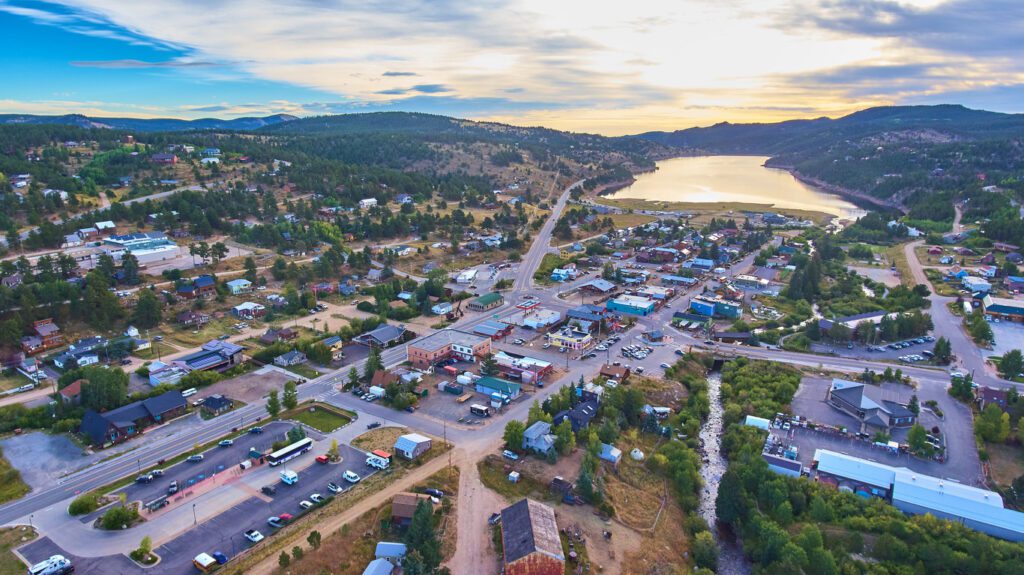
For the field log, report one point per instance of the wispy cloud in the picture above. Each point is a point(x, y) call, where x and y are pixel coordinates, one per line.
point(131, 64)
point(393, 74)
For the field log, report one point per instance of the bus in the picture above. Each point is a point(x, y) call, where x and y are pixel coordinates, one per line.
point(480, 410)
point(294, 450)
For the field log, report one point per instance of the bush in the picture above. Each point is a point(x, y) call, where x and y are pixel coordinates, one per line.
point(118, 516)
point(84, 504)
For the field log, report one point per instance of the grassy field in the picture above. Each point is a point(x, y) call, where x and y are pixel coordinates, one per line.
point(11, 485)
point(304, 370)
point(896, 257)
point(318, 417)
point(733, 209)
point(1006, 462)
point(494, 477)
point(151, 353)
point(212, 330)
point(13, 380)
point(10, 538)
point(380, 438)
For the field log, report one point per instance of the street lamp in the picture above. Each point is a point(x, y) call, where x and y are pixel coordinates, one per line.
point(194, 519)
point(30, 521)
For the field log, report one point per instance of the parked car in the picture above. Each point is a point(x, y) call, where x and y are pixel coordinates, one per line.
point(351, 476)
point(195, 458)
point(147, 478)
point(254, 536)
point(494, 519)
point(268, 490)
point(510, 455)
point(665, 366)
point(373, 425)
point(434, 492)
point(157, 473)
point(226, 443)
point(322, 459)
point(256, 430)
point(172, 488)
point(333, 487)
point(305, 504)
point(317, 498)
point(220, 557)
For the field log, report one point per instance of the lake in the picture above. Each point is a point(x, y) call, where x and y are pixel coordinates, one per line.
point(733, 179)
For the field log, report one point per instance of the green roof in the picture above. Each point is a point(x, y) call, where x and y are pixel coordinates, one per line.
point(488, 299)
point(500, 385)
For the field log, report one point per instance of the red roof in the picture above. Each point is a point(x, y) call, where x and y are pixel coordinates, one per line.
point(74, 389)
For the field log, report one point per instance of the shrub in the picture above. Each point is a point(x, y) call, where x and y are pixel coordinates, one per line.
point(84, 504)
point(118, 516)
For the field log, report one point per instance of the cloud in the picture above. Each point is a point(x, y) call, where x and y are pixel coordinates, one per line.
point(129, 63)
point(392, 74)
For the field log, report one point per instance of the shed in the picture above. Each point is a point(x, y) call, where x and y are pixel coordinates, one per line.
point(379, 567)
point(391, 551)
point(610, 453)
point(412, 445)
point(758, 422)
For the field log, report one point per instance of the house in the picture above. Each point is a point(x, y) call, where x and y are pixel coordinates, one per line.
point(44, 335)
point(442, 308)
point(293, 357)
point(538, 437)
point(560, 275)
point(336, 345)
point(988, 271)
point(1015, 258)
point(403, 199)
point(131, 331)
point(217, 404)
point(385, 335)
point(489, 386)
point(192, 318)
point(393, 553)
point(72, 394)
point(249, 310)
point(203, 286)
point(530, 540)
point(239, 286)
point(579, 416)
point(1005, 247)
point(617, 372)
point(447, 344)
point(80, 358)
point(487, 301)
point(12, 281)
point(214, 355)
point(848, 397)
point(1014, 283)
point(164, 159)
point(211, 152)
point(403, 506)
point(118, 425)
point(379, 567)
point(275, 335)
point(990, 395)
point(610, 453)
point(208, 161)
point(367, 203)
point(976, 285)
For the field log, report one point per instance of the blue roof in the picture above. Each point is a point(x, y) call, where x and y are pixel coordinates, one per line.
point(379, 567)
point(239, 283)
point(854, 468)
point(1015, 279)
point(391, 549)
point(331, 340)
point(679, 279)
point(203, 281)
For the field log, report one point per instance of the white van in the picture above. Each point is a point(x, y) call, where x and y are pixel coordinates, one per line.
point(55, 565)
point(189, 392)
point(289, 477)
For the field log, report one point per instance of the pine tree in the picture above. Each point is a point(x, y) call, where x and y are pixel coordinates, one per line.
point(273, 403)
point(291, 395)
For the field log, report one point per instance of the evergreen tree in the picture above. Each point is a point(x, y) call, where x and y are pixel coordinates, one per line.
point(147, 313)
point(273, 403)
point(250, 269)
point(291, 395)
point(513, 435)
point(421, 536)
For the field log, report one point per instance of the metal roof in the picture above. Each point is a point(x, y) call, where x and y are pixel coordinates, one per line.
point(854, 468)
point(529, 527)
point(446, 337)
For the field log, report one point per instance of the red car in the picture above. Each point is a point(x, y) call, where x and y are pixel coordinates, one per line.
point(321, 459)
point(285, 517)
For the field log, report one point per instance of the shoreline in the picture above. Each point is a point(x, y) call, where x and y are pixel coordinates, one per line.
point(857, 198)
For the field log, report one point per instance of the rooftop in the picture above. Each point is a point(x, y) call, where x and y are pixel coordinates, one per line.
point(529, 527)
point(445, 337)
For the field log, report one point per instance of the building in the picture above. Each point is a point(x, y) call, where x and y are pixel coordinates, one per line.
point(379, 567)
point(716, 307)
point(990, 396)
point(610, 453)
point(852, 321)
point(782, 466)
point(538, 437)
point(598, 286)
point(293, 357)
point(118, 425)
point(976, 285)
point(917, 494)
point(412, 445)
point(193, 318)
point(147, 247)
point(164, 159)
point(386, 335)
point(336, 345)
point(394, 553)
point(239, 286)
point(367, 203)
point(632, 305)
point(489, 386)
point(214, 355)
point(44, 335)
point(487, 301)
point(466, 276)
point(750, 282)
point(671, 280)
point(72, 394)
point(403, 506)
point(617, 372)
point(540, 318)
point(445, 344)
point(442, 308)
point(1014, 283)
point(162, 374)
point(493, 329)
point(521, 367)
point(249, 310)
point(571, 338)
point(201, 287)
point(848, 397)
point(1003, 308)
point(733, 336)
point(657, 293)
point(217, 404)
point(586, 312)
point(579, 416)
point(530, 540)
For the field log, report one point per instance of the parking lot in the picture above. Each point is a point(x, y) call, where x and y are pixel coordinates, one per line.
point(1009, 335)
point(225, 531)
point(885, 352)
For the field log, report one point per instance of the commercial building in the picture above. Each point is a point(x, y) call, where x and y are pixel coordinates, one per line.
point(750, 282)
point(521, 367)
point(656, 292)
point(216, 355)
point(493, 329)
point(530, 540)
point(466, 276)
point(540, 318)
point(489, 386)
point(147, 247)
point(441, 308)
point(848, 397)
point(412, 445)
point(1003, 308)
point(632, 305)
point(976, 285)
point(598, 286)
point(917, 494)
point(715, 307)
point(671, 280)
point(118, 425)
point(487, 301)
point(160, 374)
point(448, 343)
point(571, 338)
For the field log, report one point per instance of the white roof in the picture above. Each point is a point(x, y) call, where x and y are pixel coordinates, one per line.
point(854, 468)
point(414, 437)
point(758, 422)
point(954, 499)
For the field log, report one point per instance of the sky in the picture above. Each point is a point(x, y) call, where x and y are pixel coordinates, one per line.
point(594, 66)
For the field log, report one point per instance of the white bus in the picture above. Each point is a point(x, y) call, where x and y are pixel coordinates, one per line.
point(294, 450)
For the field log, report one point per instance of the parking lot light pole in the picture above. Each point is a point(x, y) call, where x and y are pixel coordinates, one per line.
point(195, 521)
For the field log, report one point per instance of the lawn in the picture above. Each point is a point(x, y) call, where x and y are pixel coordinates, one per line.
point(380, 438)
point(12, 380)
point(1006, 462)
point(494, 477)
point(212, 330)
point(10, 538)
point(318, 417)
point(897, 257)
point(151, 353)
point(11, 485)
point(304, 370)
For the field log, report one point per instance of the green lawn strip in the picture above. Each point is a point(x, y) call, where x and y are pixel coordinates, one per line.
point(303, 370)
point(319, 417)
point(11, 538)
point(11, 485)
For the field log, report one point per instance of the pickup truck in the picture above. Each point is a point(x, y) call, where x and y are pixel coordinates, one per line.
point(254, 536)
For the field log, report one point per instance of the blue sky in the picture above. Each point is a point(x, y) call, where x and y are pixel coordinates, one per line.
point(604, 67)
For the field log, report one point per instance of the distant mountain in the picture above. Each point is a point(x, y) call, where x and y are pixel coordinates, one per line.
point(150, 125)
point(936, 123)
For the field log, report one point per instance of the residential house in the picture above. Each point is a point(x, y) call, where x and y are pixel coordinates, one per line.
point(193, 318)
point(442, 308)
point(386, 335)
point(249, 310)
point(393, 553)
point(72, 394)
point(12, 281)
point(976, 285)
point(293, 357)
point(617, 372)
point(217, 404)
point(118, 425)
point(990, 395)
point(538, 437)
point(530, 540)
point(336, 345)
point(379, 567)
point(1014, 283)
point(203, 286)
point(44, 335)
point(164, 159)
point(403, 506)
point(239, 286)
point(579, 416)
point(610, 453)
point(367, 203)
point(403, 199)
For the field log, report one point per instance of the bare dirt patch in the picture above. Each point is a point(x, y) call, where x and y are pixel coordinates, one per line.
point(247, 387)
point(380, 438)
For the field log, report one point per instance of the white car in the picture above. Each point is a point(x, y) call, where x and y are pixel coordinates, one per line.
point(351, 476)
point(333, 487)
point(316, 498)
point(305, 504)
point(254, 536)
